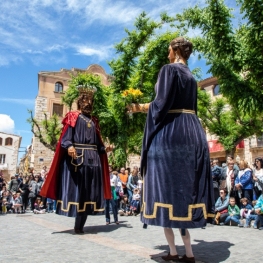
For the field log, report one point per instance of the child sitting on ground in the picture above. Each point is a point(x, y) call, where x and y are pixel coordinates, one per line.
point(17, 205)
point(39, 207)
point(4, 210)
point(124, 206)
point(246, 208)
point(233, 211)
point(135, 203)
point(252, 216)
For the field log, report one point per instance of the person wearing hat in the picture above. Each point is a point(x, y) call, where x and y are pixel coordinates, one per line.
point(79, 174)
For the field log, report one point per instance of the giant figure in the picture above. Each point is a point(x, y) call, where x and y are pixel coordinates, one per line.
point(175, 162)
point(79, 174)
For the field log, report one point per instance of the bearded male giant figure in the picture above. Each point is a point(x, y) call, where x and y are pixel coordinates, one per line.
point(79, 173)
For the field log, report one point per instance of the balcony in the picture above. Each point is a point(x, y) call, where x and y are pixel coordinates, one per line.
point(256, 141)
point(4, 166)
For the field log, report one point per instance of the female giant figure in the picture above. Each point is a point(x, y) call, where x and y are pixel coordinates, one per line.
point(175, 162)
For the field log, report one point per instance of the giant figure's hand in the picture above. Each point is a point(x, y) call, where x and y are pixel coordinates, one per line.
point(72, 152)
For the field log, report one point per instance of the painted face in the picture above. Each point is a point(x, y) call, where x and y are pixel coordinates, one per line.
point(86, 105)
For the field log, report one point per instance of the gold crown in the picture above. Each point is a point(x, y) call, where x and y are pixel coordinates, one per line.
point(86, 89)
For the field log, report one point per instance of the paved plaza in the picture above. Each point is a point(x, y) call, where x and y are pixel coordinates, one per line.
point(50, 238)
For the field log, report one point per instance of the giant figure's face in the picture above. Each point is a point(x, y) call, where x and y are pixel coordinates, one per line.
point(86, 105)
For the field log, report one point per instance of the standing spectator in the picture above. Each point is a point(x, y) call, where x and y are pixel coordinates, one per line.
point(43, 173)
point(13, 186)
point(244, 182)
point(221, 206)
point(1, 180)
point(132, 183)
point(32, 193)
point(258, 177)
point(228, 177)
point(216, 175)
point(113, 201)
point(124, 180)
point(230, 158)
point(24, 190)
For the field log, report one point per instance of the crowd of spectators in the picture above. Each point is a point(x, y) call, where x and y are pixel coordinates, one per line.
point(22, 193)
point(238, 193)
point(237, 190)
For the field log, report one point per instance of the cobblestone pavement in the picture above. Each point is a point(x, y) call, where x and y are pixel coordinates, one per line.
point(50, 238)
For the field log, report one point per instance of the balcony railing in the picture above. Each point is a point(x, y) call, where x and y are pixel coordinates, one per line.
point(256, 142)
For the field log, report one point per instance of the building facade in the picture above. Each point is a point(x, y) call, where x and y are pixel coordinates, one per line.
point(247, 149)
point(9, 147)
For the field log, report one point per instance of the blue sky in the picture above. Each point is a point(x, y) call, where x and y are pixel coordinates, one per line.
point(46, 35)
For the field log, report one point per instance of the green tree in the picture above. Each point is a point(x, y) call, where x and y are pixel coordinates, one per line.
point(235, 57)
point(47, 131)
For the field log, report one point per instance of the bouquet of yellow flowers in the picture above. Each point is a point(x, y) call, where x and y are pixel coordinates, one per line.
point(132, 95)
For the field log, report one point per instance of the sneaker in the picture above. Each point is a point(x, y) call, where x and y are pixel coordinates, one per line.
point(240, 225)
point(255, 227)
point(261, 228)
point(222, 224)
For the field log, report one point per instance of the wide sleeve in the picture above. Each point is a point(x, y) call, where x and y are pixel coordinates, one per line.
point(165, 92)
point(66, 140)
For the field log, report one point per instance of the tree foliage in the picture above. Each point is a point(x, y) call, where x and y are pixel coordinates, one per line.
point(47, 131)
point(235, 57)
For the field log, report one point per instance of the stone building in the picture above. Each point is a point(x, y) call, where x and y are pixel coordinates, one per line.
point(51, 87)
point(9, 146)
point(248, 149)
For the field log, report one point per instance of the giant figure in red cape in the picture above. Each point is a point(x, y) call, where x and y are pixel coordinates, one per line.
point(79, 174)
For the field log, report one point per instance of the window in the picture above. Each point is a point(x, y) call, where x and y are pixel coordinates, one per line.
point(2, 158)
point(58, 109)
point(1, 141)
point(41, 159)
point(58, 87)
point(8, 141)
point(216, 90)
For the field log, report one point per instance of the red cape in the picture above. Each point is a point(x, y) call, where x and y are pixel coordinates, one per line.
point(49, 188)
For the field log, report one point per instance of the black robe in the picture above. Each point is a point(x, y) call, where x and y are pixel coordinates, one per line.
point(80, 188)
point(175, 161)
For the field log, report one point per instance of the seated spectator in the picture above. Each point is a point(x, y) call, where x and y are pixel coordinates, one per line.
point(9, 201)
point(259, 210)
point(221, 206)
point(4, 209)
point(244, 182)
point(245, 208)
point(124, 206)
point(233, 213)
point(17, 204)
point(135, 203)
point(39, 207)
point(251, 217)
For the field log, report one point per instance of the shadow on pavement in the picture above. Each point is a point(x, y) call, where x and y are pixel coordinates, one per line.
point(208, 252)
point(97, 228)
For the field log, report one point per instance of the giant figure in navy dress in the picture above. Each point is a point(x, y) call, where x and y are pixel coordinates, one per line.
point(175, 162)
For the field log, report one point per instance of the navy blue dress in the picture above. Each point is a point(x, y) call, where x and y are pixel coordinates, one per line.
point(80, 181)
point(175, 161)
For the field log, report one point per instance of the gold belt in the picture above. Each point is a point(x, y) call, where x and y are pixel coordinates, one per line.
point(182, 111)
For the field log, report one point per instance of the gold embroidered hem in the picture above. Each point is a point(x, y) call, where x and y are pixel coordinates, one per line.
point(176, 218)
point(182, 111)
point(78, 209)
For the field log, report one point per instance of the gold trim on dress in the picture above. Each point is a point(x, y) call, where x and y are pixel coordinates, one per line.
point(77, 204)
point(181, 111)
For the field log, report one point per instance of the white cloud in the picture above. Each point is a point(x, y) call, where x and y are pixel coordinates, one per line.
point(6, 124)
point(90, 51)
point(25, 102)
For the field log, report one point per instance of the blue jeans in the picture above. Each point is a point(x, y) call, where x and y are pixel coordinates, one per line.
point(130, 193)
point(250, 218)
point(114, 209)
point(234, 218)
